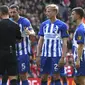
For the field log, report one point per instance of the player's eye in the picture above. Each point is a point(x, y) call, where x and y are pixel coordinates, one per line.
point(13, 12)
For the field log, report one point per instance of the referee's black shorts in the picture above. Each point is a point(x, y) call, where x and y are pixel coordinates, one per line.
point(8, 63)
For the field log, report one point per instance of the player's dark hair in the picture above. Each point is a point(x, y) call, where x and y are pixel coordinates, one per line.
point(4, 9)
point(14, 6)
point(79, 11)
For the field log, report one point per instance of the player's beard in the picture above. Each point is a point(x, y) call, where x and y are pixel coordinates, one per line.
point(14, 18)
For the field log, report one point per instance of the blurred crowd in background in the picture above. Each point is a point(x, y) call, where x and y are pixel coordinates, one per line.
point(34, 10)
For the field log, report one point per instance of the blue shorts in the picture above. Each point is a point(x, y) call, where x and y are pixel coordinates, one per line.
point(23, 63)
point(49, 65)
point(62, 72)
point(81, 70)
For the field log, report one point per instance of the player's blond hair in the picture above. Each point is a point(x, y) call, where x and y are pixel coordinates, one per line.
point(53, 6)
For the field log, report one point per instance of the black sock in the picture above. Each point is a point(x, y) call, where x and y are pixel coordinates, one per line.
point(4, 79)
point(13, 82)
point(57, 82)
point(18, 79)
point(43, 82)
point(77, 84)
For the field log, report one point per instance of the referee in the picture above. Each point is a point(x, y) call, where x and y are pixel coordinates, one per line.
point(9, 35)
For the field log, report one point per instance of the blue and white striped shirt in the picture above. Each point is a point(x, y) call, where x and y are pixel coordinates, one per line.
point(53, 34)
point(79, 38)
point(24, 46)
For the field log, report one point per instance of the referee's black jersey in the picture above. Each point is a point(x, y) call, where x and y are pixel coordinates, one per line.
point(9, 33)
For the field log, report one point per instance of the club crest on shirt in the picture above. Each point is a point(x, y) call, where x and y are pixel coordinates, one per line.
point(79, 37)
point(55, 29)
point(67, 32)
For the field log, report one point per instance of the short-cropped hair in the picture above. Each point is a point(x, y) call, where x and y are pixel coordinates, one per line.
point(14, 6)
point(79, 11)
point(4, 9)
point(53, 6)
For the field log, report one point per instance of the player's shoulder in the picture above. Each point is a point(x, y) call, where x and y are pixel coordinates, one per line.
point(57, 22)
point(45, 22)
point(24, 19)
point(60, 22)
point(81, 26)
point(9, 21)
